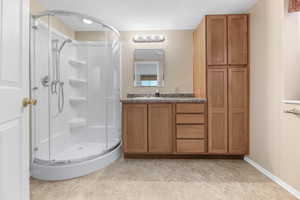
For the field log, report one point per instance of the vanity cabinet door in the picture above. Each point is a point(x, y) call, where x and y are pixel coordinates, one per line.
point(160, 126)
point(217, 111)
point(135, 128)
point(216, 40)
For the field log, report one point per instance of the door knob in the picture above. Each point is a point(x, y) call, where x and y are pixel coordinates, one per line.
point(27, 101)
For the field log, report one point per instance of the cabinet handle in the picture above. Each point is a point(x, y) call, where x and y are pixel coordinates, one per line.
point(293, 111)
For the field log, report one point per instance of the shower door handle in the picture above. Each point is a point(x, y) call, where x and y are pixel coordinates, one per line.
point(27, 101)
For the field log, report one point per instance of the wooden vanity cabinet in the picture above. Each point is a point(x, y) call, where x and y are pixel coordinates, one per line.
point(160, 128)
point(135, 127)
point(191, 134)
point(164, 128)
point(148, 128)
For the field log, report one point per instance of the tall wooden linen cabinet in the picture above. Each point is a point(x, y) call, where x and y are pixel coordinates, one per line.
point(221, 73)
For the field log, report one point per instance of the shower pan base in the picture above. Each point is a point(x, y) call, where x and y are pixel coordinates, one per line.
point(65, 171)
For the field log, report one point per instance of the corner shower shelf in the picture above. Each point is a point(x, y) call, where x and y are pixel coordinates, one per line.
point(77, 100)
point(77, 63)
point(77, 122)
point(77, 82)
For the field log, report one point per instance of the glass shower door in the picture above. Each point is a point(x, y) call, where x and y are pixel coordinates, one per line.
point(113, 105)
point(40, 80)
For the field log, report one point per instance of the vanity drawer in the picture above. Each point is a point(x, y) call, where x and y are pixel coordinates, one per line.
point(190, 108)
point(189, 118)
point(191, 146)
point(190, 131)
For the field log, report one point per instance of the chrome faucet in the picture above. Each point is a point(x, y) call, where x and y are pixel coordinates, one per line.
point(157, 94)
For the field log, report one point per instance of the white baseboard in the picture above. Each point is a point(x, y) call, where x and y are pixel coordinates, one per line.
point(274, 178)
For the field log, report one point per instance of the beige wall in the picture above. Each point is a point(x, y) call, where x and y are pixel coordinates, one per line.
point(274, 135)
point(292, 55)
point(179, 61)
point(36, 7)
point(90, 35)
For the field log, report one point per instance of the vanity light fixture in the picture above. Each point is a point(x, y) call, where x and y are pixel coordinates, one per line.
point(87, 21)
point(148, 38)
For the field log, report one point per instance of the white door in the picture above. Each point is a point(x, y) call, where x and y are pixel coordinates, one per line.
point(14, 119)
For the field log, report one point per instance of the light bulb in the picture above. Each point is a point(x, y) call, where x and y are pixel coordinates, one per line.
point(87, 21)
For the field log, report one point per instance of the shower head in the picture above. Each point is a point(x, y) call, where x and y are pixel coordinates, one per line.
point(63, 44)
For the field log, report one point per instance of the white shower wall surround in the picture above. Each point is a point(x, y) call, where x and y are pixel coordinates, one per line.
point(88, 128)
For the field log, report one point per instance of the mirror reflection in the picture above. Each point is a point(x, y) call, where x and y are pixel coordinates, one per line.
point(149, 67)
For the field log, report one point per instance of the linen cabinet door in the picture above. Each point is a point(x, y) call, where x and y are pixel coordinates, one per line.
point(160, 122)
point(216, 40)
point(238, 39)
point(238, 110)
point(135, 128)
point(217, 111)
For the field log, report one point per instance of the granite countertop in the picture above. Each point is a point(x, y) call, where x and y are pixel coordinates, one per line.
point(164, 98)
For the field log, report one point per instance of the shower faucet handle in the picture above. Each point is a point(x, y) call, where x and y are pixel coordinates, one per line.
point(45, 81)
point(54, 87)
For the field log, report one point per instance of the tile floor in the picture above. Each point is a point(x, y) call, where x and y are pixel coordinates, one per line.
point(165, 179)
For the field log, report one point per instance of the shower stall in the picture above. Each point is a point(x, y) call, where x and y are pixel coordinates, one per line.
point(75, 78)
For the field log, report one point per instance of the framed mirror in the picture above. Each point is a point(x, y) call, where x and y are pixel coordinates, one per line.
point(149, 67)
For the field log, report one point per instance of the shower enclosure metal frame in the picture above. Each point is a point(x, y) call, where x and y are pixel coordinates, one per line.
point(68, 13)
point(51, 166)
